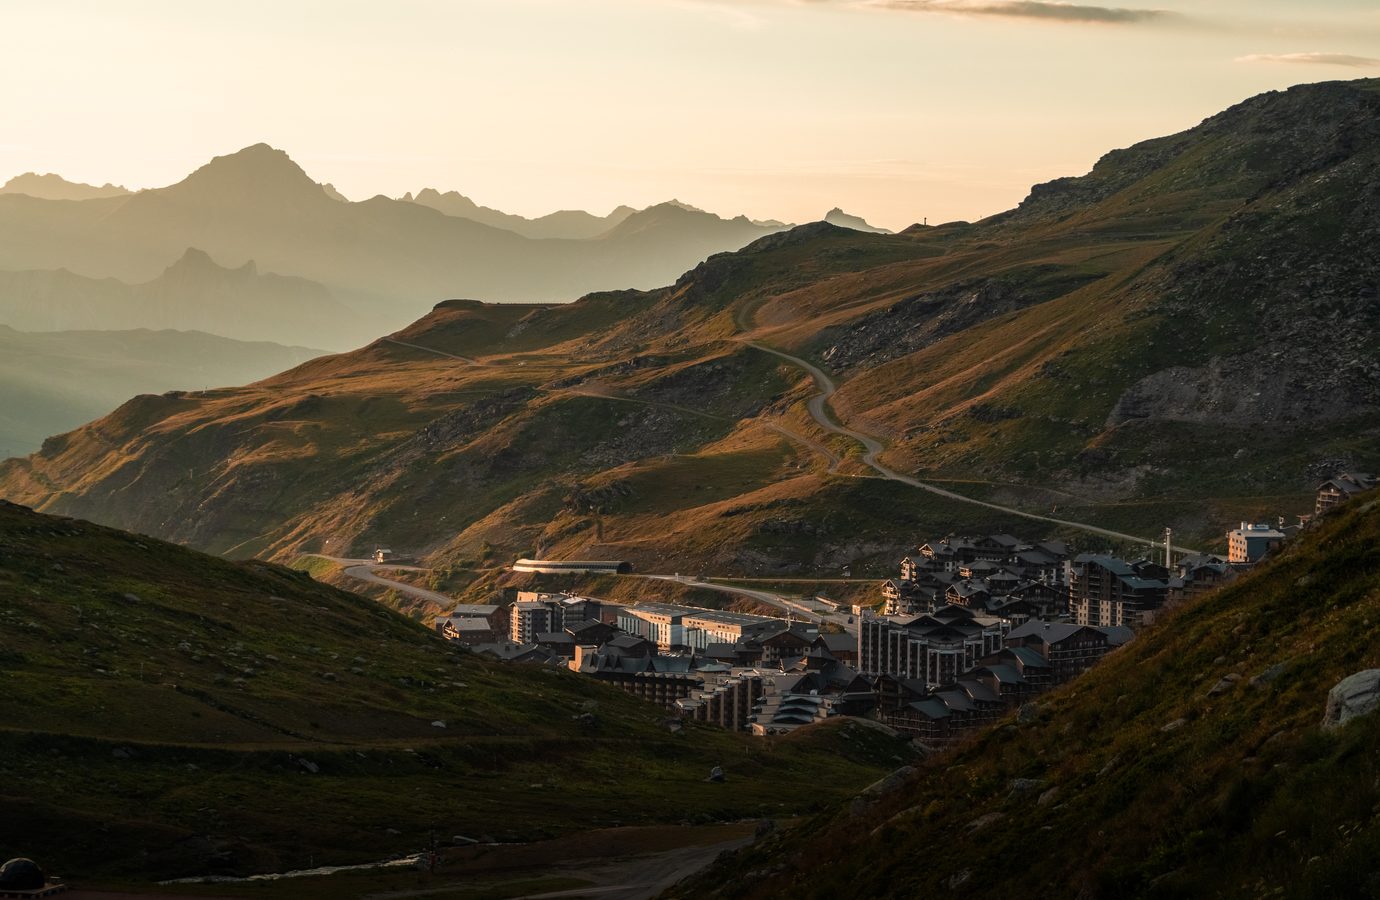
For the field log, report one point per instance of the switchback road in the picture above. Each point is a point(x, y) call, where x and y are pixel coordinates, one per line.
point(818, 406)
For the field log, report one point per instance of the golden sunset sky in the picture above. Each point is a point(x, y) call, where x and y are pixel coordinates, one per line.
point(896, 110)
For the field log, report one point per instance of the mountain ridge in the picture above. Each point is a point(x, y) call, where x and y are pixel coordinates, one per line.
point(51, 186)
point(968, 352)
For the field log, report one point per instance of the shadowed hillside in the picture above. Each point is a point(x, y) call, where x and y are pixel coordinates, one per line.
point(54, 381)
point(170, 714)
point(1191, 763)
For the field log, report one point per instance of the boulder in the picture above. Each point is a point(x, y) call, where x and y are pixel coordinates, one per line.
point(1268, 675)
point(1353, 696)
point(22, 874)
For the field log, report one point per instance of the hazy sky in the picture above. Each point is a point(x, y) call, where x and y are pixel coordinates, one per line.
point(896, 110)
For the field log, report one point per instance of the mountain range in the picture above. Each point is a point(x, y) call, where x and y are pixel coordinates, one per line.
point(1192, 763)
point(55, 187)
point(1186, 336)
point(385, 260)
point(571, 224)
point(192, 294)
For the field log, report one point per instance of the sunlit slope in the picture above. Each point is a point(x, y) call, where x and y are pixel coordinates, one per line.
point(1183, 337)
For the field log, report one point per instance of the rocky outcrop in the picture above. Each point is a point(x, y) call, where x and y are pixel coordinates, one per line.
point(918, 321)
point(1246, 390)
point(1354, 696)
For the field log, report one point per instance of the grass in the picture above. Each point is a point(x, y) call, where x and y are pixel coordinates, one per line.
point(1244, 795)
point(1170, 254)
point(170, 714)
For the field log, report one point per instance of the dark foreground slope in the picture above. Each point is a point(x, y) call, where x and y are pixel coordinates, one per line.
point(164, 713)
point(1144, 777)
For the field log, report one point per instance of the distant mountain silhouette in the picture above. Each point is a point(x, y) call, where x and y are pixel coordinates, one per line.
point(55, 187)
point(55, 381)
point(842, 219)
point(388, 260)
point(193, 294)
point(569, 223)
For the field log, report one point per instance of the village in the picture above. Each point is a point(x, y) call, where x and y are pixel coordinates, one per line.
point(971, 629)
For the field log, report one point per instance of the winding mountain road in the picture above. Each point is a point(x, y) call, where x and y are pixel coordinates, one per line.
point(363, 570)
point(818, 405)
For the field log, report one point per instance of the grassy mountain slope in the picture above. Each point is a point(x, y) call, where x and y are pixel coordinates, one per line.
point(54, 381)
point(168, 713)
point(1181, 337)
point(1143, 778)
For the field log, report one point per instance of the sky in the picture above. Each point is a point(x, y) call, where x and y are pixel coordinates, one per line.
point(896, 110)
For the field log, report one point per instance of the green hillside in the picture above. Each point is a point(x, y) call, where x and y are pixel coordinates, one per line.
point(1183, 337)
point(169, 714)
point(1153, 775)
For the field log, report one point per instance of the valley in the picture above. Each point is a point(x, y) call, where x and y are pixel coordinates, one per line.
point(412, 546)
point(586, 427)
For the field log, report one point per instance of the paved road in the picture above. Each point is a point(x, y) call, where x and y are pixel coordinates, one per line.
point(464, 359)
point(818, 406)
point(641, 877)
point(363, 570)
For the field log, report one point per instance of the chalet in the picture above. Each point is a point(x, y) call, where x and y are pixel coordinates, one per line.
point(1014, 610)
point(936, 647)
point(972, 594)
point(658, 679)
point(1040, 565)
point(999, 548)
point(941, 555)
point(469, 630)
point(1069, 649)
point(557, 643)
point(510, 651)
point(1006, 682)
point(842, 647)
point(1341, 488)
point(1197, 574)
point(1104, 590)
point(595, 633)
point(1044, 596)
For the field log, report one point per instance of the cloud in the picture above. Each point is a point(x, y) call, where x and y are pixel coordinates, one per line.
point(1046, 10)
point(1314, 59)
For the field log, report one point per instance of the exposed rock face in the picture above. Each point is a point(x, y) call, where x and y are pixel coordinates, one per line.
point(918, 321)
point(1247, 390)
point(1353, 696)
point(879, 789)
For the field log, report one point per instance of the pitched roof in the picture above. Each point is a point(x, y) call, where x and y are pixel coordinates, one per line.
point(932, 709)
point(838, 641)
